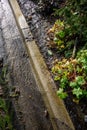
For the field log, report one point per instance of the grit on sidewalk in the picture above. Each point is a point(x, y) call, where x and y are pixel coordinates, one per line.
point(41, 110)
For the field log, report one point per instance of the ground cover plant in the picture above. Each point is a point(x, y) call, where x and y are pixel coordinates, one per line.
point(70, 39)
point(5, 117)
point(71, 75)
point(5, 120)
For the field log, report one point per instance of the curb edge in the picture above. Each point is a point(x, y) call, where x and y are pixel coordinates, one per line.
point(57, 111)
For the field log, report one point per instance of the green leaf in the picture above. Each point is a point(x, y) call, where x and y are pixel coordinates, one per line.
point(2, 104)
point(80, 80)
point(85, 93)
point(56, 39)
point(79, 69)
point(77, 92)
point(64, 80)
point(4, 71)
point(61, 34)
point(56, 78)
point(73, 84)
point(62, 94)
point(60, 71)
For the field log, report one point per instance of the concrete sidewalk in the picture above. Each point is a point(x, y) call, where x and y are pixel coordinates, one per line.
point(29, 74)
point(29, 107)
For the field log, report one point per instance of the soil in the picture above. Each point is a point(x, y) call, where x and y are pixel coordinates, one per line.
point(39, 25)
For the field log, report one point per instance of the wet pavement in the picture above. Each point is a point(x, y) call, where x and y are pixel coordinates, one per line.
point(12, 50)
point(40, 24)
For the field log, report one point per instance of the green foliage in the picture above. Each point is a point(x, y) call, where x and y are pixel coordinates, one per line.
point(4, 72)
point(63, 81)
point(62, 37)
point(2, 105)
point(69, 33)
point(73, 27)
point(5, 121)
point(3, 75)
point(71, 75)
point(80, 80)
point(82, 58)
point(78, 92)
point(61, 93)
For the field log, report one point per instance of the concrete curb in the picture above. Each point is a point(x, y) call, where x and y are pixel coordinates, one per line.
point(59, 116)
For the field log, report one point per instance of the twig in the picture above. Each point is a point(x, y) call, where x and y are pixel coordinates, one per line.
point(74, 49)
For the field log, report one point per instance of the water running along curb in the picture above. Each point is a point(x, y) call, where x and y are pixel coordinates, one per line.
point(59, 116)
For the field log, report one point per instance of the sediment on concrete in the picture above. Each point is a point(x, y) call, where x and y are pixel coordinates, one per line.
point(59, 116)
point(29, 107)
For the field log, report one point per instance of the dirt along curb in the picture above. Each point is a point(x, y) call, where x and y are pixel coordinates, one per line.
point(59, 116)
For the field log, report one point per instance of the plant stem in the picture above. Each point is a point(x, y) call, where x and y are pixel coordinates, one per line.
point(74, 49)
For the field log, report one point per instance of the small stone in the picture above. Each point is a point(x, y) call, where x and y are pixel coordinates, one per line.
point(29, 17)
point(17, 91)
point(30, 96)
point(48, 39)
point(50, 53)
point(46, 113)
point(85, 118)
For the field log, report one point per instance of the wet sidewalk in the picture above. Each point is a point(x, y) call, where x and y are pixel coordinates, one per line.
point(12, 50)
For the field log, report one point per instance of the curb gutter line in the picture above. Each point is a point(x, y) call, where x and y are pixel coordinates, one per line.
point(59, 116)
